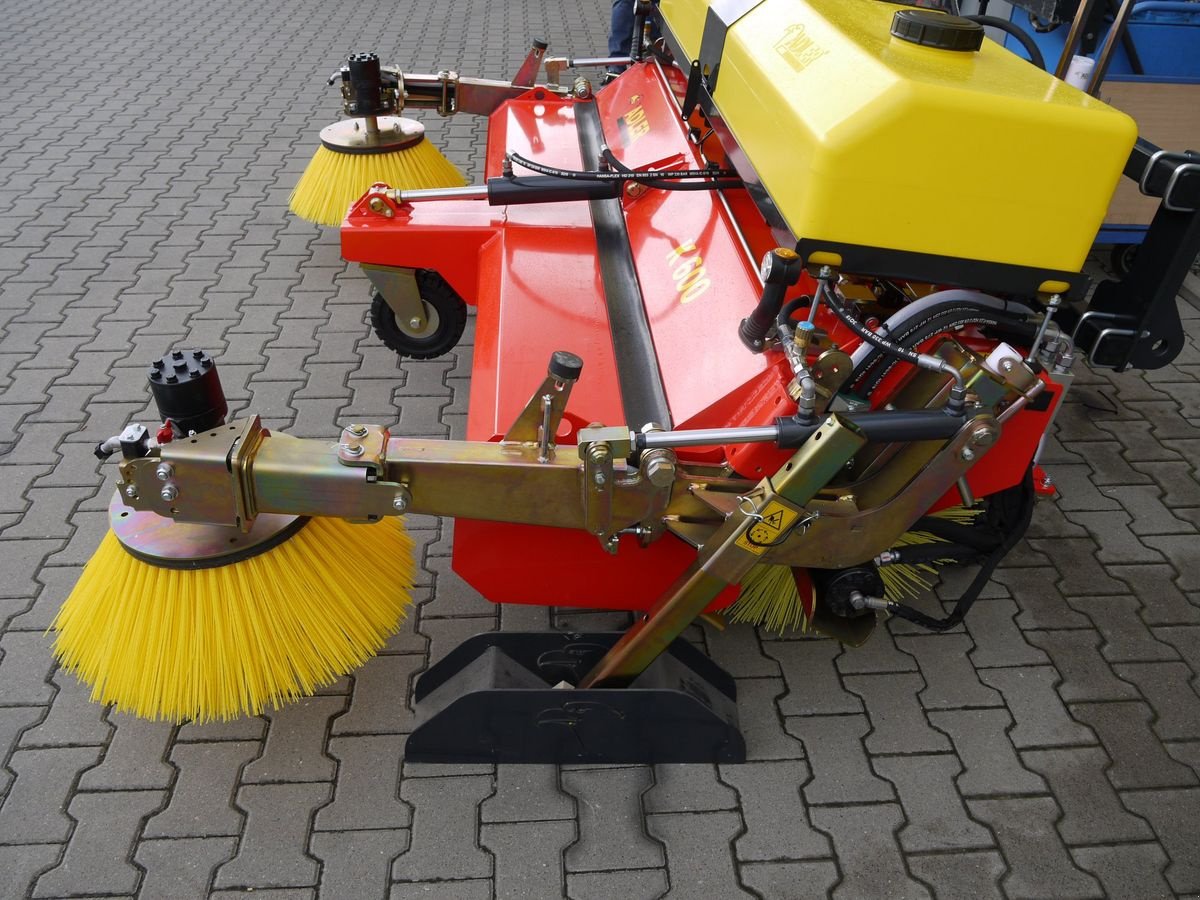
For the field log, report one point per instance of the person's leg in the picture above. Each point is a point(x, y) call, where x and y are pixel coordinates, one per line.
point(620, 31)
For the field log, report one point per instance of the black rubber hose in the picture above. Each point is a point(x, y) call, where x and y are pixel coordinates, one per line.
point(1013, 533)
point(875, 340)
point(785, 313)
point(1035, 55)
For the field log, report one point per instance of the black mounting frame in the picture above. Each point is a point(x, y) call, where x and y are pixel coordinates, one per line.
point(494, 699)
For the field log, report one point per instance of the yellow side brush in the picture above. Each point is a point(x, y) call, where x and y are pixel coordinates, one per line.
point(357, 153)
point(315, 600)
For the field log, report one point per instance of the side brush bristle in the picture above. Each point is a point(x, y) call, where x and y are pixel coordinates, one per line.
point(223, 642)
point(333, 181)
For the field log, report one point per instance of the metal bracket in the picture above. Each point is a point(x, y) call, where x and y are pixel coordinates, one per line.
point(529, 67)
point(399, 289)
point(364, 446)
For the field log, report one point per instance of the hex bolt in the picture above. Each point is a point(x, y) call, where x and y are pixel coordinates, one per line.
point(351, 449)
point(358, 430)
point(131, 491)
point(169, 492)
point(967, 454)
point(660, 471)
point(1006, 365)
point(402, 499)
point(164, 471)
point(414, 323)
point(599, 478)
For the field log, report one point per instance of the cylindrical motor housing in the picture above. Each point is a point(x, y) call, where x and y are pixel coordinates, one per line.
point(187, 391)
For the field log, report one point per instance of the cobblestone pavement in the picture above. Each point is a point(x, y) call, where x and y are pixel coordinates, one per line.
point(1050, 749)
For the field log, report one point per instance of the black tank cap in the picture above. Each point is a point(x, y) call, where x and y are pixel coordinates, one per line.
point(942, 32)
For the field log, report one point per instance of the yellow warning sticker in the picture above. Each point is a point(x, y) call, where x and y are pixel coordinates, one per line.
point(775, 522)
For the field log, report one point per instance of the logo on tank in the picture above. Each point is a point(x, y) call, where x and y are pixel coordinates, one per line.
point(798, 49)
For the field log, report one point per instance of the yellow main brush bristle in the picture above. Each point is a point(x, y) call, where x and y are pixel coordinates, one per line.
point(769, 597)
point(223, 642)
point(333, 180)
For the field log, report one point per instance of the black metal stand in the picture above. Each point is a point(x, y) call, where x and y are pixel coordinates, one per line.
point(494, 699)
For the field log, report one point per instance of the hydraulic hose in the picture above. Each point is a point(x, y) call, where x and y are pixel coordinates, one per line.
point(1035, 55)
point(921, 360)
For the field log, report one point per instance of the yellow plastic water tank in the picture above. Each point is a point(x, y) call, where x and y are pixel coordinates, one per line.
point(862, 137)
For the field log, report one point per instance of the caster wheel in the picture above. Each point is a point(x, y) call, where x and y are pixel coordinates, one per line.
point(1122, 258)
point(445, 319)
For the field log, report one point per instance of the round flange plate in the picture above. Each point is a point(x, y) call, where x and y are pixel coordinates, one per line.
point(188, 545)
point(352, 136)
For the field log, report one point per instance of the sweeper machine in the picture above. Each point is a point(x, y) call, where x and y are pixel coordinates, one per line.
point(760, 335)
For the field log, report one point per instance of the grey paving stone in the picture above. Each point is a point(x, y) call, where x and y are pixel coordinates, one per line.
point(133, 758)
point(202, 798)
point(841, 772)
point(1168, 688)
point(25, 668)
point(378, 704)
point(357, 863)
point(1036, 857)
point(998, 641)
point(950, 679)
point(1092, 813)
point(272, 849)
point(14, 722)
point(467, 889)
point(530, 793)
point(611, 827)
point(34, 809)
point(21, 864)
point(738, 650)
point(445, 829)
point(961, 874)
point(689, 838)
point(1126, 637)
point(1086, 675)
point(1173, 815)
point(96, 856)
point(981, 742)
point(1180, 551)
point(525, 867)
point(810, 880)
point(777, 824)
point(760, 722)
point(864, 839)
point(878, 654)
point(267, 894)
point(295, 747)
point(809, 670)
point(936, 817)
point(636, 884)
point(1127, 872)
point(1041, 601)
point(181, 868)
point(689, 788)
point(367, 790)
point(897, 723)
point(72, 718)
point(247, 728)
point(1042, 720)
point(1139, 760)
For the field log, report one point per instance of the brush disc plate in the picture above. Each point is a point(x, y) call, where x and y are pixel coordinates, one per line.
point(188, 545)
point(351, 135)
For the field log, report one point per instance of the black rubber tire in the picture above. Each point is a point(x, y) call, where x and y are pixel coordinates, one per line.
point(953, 317)
point(1122, 258)
point(450, 309)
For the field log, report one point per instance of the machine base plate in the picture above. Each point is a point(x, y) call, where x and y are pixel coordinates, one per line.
point(494, 699)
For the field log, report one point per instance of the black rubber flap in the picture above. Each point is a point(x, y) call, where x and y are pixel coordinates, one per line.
point(942, 32)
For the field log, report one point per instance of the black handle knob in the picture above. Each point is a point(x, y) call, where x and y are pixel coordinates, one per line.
point(780, 270)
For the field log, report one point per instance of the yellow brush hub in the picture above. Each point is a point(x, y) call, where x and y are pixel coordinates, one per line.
point(232, 640)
